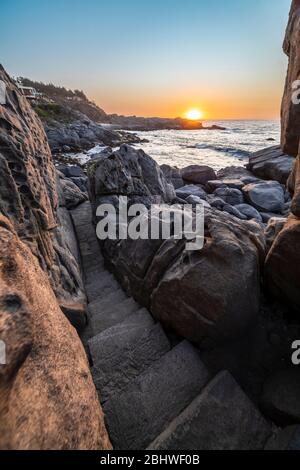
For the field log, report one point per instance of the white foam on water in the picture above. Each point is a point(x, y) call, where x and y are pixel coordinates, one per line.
point(215, 148)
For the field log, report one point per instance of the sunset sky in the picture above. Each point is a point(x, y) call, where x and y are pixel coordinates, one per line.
point(153, 57)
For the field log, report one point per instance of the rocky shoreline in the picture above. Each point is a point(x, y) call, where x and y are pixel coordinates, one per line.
point(142, 344)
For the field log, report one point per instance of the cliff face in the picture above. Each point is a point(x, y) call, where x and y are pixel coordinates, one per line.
point(29, 192)
point(283, 262)
point(290, 112)
point(47, 398)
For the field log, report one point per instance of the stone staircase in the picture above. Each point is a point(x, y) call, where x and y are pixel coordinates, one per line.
point(154, 395)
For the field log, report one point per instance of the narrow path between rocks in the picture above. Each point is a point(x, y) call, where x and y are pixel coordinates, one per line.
point(153, 395)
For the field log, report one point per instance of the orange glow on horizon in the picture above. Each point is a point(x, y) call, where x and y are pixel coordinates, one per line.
point(194, 114)
point(256, 103)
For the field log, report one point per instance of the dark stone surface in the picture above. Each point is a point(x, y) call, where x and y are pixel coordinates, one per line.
point(149, 403)
point(230, 196)
point(280, 397)
point(286, 439)
point(271, 164)
point(198, 174)
point(137, 346)
point(266, 196)
point(290, 112)
point(131, 173)
point(29, 194)
point(221, 418)
point(191, 190)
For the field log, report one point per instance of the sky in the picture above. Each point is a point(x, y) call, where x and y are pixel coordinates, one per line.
point(153, 57)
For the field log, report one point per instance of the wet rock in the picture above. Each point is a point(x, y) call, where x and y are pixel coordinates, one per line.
point(271, 164)
point(173, 175)
point(198, 174)
point(233, 172)
point(230, 196)
point(194, 200)
point(249, 211)
point(265, 196)
point(191, 190)
point(211, 186)
point(216, 202)
point(234, 211)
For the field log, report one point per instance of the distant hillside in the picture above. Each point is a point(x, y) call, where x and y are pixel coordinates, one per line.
point(60, 105)
point(75, 100)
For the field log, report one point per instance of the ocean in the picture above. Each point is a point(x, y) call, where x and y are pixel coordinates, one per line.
point(215, 148)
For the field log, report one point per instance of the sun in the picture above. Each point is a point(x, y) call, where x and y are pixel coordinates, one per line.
point(194, 114)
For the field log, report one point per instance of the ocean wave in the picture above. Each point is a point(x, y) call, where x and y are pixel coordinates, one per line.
point(234, 151)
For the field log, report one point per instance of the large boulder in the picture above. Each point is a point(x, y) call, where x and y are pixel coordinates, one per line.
point(290, 111)
point(249, 211)
point(130, 173)
point(72, 193)
point(191, 190)
point(234, 172)
point(229, 195)
point(207, 296)
point(47, 397)
point(198, 174)
point(212, 295)
point(211, 186)
point(271, 164)
point(282, 269)
point(173, 175)
point(266, 196)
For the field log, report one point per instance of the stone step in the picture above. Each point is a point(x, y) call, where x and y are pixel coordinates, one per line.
point(221, 418)
point(82, 215)
point(113, 314)
point(101, 281)
point(138, 348)
point(151, 401)
point(109, 344)
point(86, 233)
point(90, 247)
point(93, 271)
point(105, 291)
point(113, 298)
